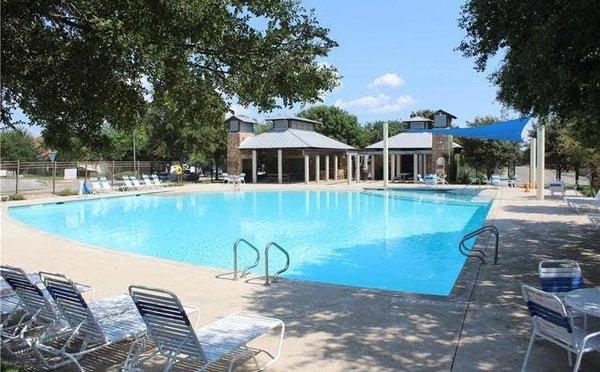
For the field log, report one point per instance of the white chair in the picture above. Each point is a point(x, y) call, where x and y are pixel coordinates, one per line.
point(557, 186)
point(495, 180)
point(95, 187)
point(226, 178)
point(420, 179)
point(175, 338)
point(551, 322)
point(90, 328)
point(157, 180)
point(594, 218)
point(137, 184)
point(106, 185)
point(128, 184)
point(242, 178)
point(584, 203)
point(430, 179)
point(147, 182)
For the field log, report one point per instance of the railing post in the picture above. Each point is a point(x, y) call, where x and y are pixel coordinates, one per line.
point(112, 182)
point(235, 270)
point(497, 247)
point(267, 265)
point(54, 177)
point(17, 171)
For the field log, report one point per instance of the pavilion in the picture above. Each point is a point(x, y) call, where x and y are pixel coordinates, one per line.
point(285, 153)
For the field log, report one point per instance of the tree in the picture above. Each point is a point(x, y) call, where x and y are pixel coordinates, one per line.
point(336, 123)
point(488, 155)
point(374, 130)
point(74, 67)
point(551, 59)
point(17, 144)
point(426, 113)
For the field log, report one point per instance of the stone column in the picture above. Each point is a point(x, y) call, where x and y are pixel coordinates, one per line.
point(326, 167)
point(349, 168)
point(385, 155)
point(306, 169)
point(372, 166)
point(393, 166)
point(280, 166)
point(317, 167)
point(254, 174)
point(357, 168)
point(398, 165)
point(335, 167)
point(415, 166)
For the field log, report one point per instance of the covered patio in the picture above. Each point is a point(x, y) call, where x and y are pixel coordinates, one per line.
point(293, 155)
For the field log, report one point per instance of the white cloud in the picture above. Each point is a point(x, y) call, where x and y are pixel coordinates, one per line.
point(390, 79)
point(379, 103)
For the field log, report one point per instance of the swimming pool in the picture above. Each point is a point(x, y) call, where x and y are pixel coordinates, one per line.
point(401, 241)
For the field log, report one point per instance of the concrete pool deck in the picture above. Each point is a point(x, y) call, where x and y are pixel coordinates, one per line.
point(339, 328)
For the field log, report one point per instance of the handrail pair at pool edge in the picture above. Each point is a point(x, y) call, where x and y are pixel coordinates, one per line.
point(480, 254)
point(247, 269)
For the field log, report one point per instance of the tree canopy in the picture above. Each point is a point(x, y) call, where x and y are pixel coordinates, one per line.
point(75, 67)
point(17, 144)
point(551, 56)
point(488, 155)
point(336, 123)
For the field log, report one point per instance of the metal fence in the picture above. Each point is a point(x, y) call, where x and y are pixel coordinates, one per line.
point(55, 177)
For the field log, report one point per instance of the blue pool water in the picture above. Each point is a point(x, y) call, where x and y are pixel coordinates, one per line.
point(402, 240)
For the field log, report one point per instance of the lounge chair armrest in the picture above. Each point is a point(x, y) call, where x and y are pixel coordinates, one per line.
point(590, 336)
point(189, 310)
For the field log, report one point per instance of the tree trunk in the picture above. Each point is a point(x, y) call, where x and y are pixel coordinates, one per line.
point(576, 176)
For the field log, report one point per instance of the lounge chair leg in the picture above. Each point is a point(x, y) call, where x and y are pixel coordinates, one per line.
point(578, 360)
point(531, 341)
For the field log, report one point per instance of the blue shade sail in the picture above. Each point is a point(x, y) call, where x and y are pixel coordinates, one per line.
point(510, 130)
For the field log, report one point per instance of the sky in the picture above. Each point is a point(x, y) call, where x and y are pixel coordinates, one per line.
point(397, 56)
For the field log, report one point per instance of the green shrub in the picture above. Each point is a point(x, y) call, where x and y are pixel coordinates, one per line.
point(67, 192)
point(16, 197)
point(587, 190)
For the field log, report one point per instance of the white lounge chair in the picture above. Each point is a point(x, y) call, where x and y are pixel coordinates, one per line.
point(157, 180)
point(115, 320)
point(241, 178)
point(552, 322)
point(128, 184)
point(594, 218)
point(226, 178)
point(94, 186)
point(430, 179)
point(557, 186)
point(175, 338)
point(495, 180)
point(420, 179)
point(106, 185)
point(148, 182)
point(137, 183)
point(584, 203)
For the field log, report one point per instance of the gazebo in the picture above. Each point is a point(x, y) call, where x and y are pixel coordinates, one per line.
point(285, 153)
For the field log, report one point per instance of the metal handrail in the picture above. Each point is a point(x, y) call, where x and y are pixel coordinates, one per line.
point(287, 262)
point(476, 180)
point(481, 254)
point(246, 270)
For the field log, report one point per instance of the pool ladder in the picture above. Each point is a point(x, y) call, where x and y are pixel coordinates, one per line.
point(469, 252)
point(247, 269)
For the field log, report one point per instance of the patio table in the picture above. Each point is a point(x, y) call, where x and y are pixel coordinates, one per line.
point(585, 300)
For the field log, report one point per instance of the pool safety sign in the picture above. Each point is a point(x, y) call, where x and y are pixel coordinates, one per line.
point(71, 174)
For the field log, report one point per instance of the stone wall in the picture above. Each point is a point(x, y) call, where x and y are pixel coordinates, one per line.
point(441, 146)
point(234, 155)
